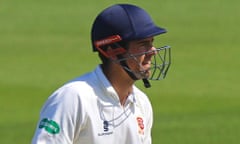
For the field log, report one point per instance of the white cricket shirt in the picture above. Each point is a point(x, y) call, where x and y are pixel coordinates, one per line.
point(87, 110)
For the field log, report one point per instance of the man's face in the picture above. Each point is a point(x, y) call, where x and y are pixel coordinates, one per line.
point(141, 52)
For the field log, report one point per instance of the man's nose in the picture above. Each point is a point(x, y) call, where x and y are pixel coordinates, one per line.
point(152, 51)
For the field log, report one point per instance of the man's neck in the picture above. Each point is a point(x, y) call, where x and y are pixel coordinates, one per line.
point(120, 81)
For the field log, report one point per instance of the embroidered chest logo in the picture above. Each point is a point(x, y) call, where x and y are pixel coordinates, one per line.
point(140, 125)
point(106, 129)
point(105, 126)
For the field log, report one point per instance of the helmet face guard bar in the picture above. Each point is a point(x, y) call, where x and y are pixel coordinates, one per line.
point(160, 63)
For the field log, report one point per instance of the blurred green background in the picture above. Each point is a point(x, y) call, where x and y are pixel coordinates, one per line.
point(45, 43)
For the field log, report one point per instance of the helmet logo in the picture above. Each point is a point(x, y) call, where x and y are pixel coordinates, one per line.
point(110, 40)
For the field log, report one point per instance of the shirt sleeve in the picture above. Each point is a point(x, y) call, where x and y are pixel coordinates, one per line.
point(59, 119)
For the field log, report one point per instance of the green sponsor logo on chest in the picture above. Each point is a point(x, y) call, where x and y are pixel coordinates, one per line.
point(50, 126)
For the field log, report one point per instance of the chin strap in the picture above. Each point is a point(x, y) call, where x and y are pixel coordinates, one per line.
point(126, 68)
point(133, 76)
point(146, 83)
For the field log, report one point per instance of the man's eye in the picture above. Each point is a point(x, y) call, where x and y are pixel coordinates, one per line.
point(147, 47)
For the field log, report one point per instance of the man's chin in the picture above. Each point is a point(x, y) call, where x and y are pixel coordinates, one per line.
point(146, 74)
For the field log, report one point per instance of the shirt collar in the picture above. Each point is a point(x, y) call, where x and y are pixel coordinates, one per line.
point(108, 88)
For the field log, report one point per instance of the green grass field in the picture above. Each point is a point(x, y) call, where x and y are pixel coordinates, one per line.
point(46, 43)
